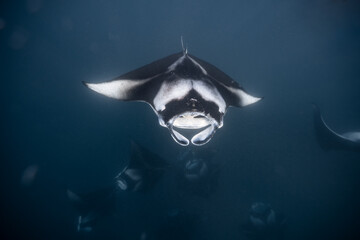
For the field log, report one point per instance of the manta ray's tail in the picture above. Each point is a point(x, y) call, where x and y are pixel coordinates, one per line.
point(184, 48)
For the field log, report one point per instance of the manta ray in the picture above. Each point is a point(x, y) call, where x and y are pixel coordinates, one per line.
point(330, 139)
point(184, 91)
point(140, 174)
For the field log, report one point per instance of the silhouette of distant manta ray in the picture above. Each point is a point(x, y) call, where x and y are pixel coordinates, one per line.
point(143, 170)
point(184, 91)
point(329, 139)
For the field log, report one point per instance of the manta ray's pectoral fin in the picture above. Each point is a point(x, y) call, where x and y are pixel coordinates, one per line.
point(330, 139)
point(236, 96)
point(138, 85)
point(230, 90)
point(240, 98)
point(352, 136)
point(122, 89)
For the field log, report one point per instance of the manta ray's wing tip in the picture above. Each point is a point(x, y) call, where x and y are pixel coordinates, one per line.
point(254, 100)
point(85, 83)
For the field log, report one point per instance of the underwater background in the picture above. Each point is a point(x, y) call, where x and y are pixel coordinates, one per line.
point(58, 135)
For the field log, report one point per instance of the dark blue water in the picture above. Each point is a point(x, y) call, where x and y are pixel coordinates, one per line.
point(290, 52)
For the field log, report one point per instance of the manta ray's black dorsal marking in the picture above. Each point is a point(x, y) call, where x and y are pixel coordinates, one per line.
point(227, 86)
point(140, 84)
point(152, 69)
point(184, 91)
point(329, 139)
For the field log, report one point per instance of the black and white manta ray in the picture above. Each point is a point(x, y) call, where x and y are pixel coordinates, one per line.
point(184, 91)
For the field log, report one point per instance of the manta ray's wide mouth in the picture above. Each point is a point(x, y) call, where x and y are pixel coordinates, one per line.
point(192, 121)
